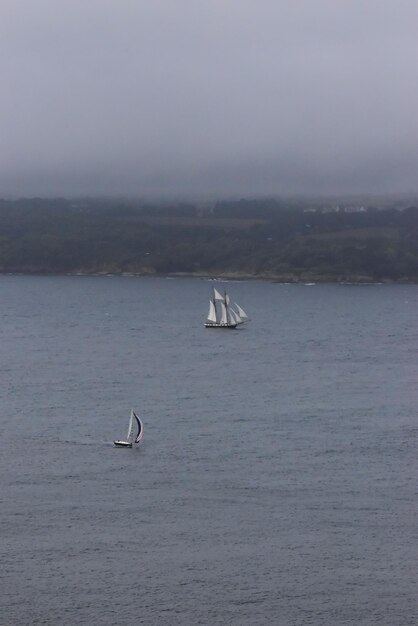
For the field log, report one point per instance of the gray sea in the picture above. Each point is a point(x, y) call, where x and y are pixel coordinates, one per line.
point(276, 482)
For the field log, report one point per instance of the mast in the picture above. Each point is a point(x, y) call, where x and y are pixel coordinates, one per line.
point(217, 296)
point(228, 315)
point(224, 316)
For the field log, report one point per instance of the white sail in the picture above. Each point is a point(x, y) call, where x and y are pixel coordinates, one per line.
point(130, 427)
point(241, 312)
point(221, 314)
point(235, 317)
point(224, 316)
point(212, 312)
point(135, 424)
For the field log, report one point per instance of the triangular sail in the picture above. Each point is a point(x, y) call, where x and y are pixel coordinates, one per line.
point(241, 312)
point(235, 317)
point(226, 298)
point(217, 295)
point(212, 312)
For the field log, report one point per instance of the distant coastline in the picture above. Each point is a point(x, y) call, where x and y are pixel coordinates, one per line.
point(303, 242)
point(280, 279)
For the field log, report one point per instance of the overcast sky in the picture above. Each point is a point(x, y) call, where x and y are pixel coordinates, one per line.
point(208, 96)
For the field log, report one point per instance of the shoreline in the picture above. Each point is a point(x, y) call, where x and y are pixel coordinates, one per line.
point(302, 279)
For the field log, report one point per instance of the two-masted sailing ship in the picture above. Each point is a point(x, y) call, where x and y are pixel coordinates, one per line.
point(222, 315)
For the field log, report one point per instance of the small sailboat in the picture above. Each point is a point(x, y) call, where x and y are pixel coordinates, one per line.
point(221, 314)
point(135, 424)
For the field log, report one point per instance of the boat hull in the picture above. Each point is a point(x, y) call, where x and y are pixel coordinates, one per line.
point(122, 444)
point(209, 325)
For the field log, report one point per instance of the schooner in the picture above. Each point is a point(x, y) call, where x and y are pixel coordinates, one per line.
point(221, 314)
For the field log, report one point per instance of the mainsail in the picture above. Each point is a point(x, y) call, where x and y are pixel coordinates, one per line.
point(212, 312)
point(224, 313)
point(131, 426)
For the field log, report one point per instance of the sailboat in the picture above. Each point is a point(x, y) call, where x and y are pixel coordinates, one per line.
point(134, 424)
point(221, 314)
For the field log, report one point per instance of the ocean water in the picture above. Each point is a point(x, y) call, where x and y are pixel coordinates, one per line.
point(276, 483)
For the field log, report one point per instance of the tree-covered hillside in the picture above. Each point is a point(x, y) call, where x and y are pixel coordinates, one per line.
point(260, 238)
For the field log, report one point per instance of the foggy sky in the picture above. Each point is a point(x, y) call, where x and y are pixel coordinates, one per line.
point(214, 97)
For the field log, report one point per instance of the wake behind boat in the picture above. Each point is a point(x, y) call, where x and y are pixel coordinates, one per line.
point(222, 315)
point(135, 424)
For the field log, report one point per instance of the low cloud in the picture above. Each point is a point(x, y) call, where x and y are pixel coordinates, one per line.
point(208, 97)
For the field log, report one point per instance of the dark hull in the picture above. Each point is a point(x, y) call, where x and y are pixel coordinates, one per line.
point(208, 325)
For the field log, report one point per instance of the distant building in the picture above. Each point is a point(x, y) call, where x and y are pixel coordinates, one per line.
point(331, 209)
point(355, 209)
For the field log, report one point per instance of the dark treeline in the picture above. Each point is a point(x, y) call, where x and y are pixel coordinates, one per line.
point(285, 240)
